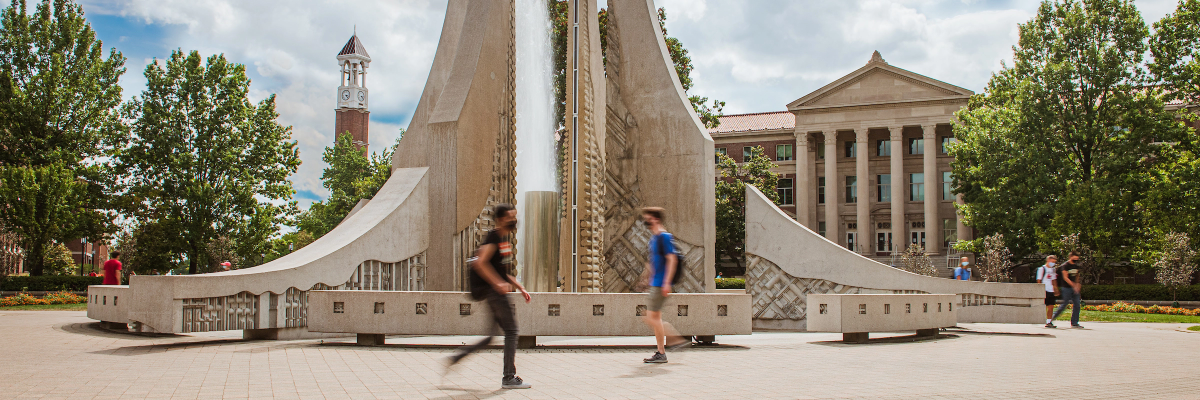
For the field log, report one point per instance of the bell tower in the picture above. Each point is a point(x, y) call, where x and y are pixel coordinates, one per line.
point(352, 95)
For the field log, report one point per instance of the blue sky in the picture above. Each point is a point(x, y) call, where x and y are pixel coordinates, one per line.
point(757, 55)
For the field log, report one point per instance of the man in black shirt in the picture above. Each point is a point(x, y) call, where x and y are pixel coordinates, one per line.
point(1069, 285)
point(491, 280)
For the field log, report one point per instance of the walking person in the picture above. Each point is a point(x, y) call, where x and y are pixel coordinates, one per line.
point(1069, 285)
point(1046, 274)
point(111, 268)
point(963, 271)
point(660, 269)
point(492, 279)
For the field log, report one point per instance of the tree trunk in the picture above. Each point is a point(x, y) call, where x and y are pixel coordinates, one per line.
point(192, 260)
point(35, 259)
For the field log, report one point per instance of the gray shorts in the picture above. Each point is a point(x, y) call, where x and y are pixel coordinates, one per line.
point(656, 299)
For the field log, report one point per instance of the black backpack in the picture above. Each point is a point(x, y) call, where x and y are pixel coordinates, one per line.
point(680, 265)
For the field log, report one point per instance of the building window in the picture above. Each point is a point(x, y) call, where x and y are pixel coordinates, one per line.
point(947, 184)
point(821, 190)
point(783, 152)
point(916, 146)
point(821, 228)
point(946, 141)
point(785, 191)
point(851, 149)
point(883, 148)
point(851, 189)
point(949, 232)
point(820, 152)
point(885, 187)
point(721, 151)
point(916, 186)
point(747, 152)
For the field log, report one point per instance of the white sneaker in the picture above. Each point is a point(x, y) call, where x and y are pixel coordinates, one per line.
point(514, 383)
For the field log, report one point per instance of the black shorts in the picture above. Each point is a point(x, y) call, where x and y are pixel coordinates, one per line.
point(1051, 299)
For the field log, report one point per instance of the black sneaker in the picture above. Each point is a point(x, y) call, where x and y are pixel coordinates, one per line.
point(1050, 325)
point(657, 358)
point(514, 383)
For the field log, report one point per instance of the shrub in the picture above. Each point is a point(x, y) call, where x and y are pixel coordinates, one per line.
point(1139, 292)
point(1132, 308)
point(731, 283)
point(49, 283)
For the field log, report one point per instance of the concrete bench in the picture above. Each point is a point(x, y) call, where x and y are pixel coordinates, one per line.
point(856, 315)
point(373, 314)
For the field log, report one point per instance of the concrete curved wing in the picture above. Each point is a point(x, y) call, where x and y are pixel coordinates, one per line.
point(390, 228)
point(786, 261)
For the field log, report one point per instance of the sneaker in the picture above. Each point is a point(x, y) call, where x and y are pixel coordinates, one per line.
point(514, 383)
point(1051, 325)
point(657, 358)
point(1077, 326)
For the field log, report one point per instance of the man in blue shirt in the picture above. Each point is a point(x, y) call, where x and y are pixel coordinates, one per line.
point(963, 272)
point(658, 273)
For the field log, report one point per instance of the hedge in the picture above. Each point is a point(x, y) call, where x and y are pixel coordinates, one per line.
point(1138, 293)
point(731, 283)
point(49, 283)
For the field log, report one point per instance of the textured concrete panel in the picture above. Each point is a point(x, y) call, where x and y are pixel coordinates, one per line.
point(881, 312)
point(549, 314)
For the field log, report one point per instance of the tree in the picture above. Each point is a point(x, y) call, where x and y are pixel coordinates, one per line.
point(997, 260)
point(731, 200)
point(146, 247)
point(1175, 48)
point(202, 160)
point(58, 100)
point(44, 205)
point(1176, 263)
point(916, 261)
point(58, 260)
point(350, 177)
point(1060, 142)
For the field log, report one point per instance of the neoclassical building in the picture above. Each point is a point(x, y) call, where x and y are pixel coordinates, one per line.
point(863, 159)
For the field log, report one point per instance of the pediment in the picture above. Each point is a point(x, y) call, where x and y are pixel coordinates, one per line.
point(879, 83)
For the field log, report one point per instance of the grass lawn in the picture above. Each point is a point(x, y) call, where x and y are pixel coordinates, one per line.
point(1194, 328)
point(49, 307)
point(1093, 316)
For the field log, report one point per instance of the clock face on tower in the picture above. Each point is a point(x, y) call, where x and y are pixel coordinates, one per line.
point(362, 96)
point(345, 95)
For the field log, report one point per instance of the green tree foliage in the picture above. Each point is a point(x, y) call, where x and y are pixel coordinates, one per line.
point(203, 161)
point(731, 200)
point(58, 260)
point(58, 97)
point(1176, 263)
point(1175, 48)
point(1060, 142)
point(146, 247)
point(350, 176)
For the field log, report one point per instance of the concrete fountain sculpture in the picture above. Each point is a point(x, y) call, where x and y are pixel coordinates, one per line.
point(457, 159)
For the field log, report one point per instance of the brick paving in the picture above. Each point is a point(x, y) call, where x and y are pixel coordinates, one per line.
point(62, 354)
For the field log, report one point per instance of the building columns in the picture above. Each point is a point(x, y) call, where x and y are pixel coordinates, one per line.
point(804, 196)
point(933, 191)
point(833, 190)
point(898, 180)
point(863, 185)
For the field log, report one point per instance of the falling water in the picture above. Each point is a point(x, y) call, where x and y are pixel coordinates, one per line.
point(536, 157)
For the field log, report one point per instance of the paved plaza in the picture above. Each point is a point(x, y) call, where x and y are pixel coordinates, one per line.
point(62, 354)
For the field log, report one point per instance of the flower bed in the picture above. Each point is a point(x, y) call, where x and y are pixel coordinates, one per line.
point(24, 299)
point(1133, 308)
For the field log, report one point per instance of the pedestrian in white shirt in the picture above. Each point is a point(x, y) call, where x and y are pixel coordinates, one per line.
point(1046, 275)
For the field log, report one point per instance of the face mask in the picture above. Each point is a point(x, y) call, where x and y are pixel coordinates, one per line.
point(1050, 263)
point(965, 263)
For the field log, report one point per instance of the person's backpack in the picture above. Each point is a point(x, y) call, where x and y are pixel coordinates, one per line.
point(679, 264)
point(477, 285)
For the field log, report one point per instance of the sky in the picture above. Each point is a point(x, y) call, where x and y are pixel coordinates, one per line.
point(756, 55)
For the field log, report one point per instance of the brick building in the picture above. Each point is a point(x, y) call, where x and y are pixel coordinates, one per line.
point(855, 151)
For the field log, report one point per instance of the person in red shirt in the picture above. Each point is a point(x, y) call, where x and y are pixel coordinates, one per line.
point(111, 267)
